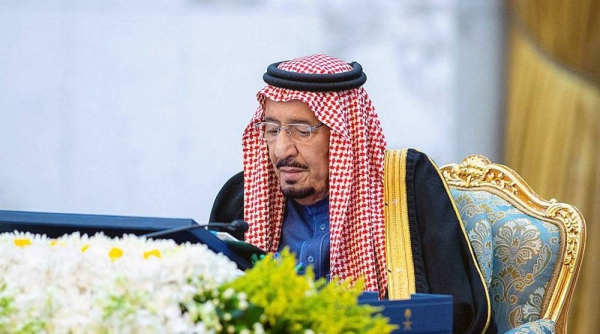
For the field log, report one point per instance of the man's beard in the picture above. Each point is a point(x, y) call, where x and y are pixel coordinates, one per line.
point(298, 193)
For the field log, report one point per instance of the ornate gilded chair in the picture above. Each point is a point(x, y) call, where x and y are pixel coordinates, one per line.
point(529, 249)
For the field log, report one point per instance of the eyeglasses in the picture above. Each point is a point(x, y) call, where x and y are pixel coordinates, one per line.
point(297, 132)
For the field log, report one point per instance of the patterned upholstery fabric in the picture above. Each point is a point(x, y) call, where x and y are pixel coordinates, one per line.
point(517, 254)
point(541, 326)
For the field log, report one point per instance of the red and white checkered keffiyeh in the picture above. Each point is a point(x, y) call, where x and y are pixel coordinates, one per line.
point(356, 156)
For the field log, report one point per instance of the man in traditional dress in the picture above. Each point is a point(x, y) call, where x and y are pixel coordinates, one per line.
point(315, 164)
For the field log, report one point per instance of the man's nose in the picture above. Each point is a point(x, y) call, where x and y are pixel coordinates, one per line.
point(284, 146)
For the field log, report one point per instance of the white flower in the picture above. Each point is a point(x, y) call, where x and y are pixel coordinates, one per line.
point(98, 284)
point(243, 304)
point(228, 293)
point(258, 328)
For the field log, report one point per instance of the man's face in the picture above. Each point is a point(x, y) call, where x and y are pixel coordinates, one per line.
point(302, 167)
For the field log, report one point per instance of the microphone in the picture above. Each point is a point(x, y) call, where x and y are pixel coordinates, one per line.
point(236, 226)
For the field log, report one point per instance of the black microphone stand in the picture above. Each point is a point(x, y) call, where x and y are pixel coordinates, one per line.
point(236, 226)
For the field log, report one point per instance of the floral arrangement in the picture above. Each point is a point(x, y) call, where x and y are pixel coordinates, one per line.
point(81, 284)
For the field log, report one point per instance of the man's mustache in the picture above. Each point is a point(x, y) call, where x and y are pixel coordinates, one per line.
point(290, 163)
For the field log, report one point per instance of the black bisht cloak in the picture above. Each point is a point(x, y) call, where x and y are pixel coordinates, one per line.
point(443, 260)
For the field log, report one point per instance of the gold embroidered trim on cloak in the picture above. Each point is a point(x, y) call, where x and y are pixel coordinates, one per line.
point(399, 257)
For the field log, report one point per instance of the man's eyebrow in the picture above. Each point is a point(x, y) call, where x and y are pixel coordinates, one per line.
point(291, 121)
point(270, 119)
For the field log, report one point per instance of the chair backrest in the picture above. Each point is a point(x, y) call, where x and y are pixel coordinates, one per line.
point(529, 249)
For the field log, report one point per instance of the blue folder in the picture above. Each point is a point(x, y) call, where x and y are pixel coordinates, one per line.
point(423, 313)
